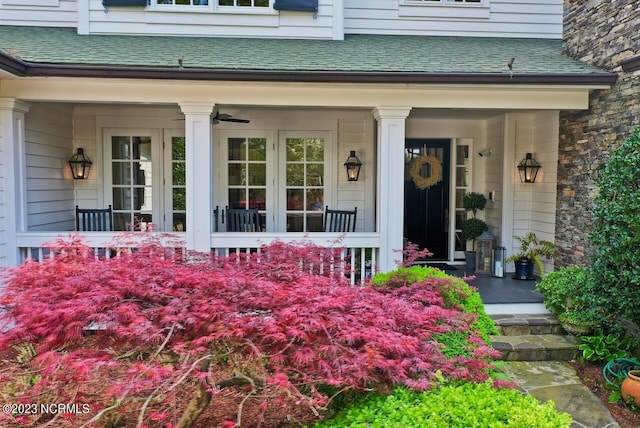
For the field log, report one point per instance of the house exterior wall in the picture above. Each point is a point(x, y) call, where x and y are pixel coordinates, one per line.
point(492, 166)
point(493, 18)
point(534, 203)
point(601, 33)
point(47, 13)
point(50, 189)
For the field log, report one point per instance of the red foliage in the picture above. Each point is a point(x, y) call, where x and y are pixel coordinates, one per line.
point(140, 324)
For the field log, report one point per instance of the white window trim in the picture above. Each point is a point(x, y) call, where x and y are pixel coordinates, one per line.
point(444, 10)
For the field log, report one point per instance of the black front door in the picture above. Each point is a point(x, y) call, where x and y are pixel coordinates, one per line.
point(426, 195)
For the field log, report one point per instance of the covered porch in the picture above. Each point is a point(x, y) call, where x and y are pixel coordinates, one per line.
point(162, 155)
point(172, 167)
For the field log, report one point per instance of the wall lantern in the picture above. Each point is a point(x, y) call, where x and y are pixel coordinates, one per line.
point(353, 166)
point(528, 169)
point(80, 165)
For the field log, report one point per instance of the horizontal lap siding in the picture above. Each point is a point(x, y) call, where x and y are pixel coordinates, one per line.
point(357, 134)
point(149, 21)
point(535, 204)
point(493, 173)
point(506, 18)
point(49, 144)
point(62, 13)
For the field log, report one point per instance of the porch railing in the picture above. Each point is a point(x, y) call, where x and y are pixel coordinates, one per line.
point(358, 258)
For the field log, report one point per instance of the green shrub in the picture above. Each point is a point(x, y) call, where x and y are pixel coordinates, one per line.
point(452, 406)
point(563, 288)
point(616, 231)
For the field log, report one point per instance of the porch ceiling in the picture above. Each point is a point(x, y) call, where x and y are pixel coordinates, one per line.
point(46, 51)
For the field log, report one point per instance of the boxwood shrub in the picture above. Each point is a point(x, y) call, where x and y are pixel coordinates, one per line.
point(451, 406)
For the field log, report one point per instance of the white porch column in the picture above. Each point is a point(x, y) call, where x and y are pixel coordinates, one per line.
point(12, 177)
point(390, 204)
point(198, 157)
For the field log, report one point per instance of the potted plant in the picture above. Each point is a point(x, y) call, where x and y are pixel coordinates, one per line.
point(530, 255)
point(473, 227)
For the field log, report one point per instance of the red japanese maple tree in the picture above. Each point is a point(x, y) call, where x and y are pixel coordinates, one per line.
point(122, 334)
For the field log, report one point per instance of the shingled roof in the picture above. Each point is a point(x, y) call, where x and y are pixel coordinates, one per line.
point(46, 51)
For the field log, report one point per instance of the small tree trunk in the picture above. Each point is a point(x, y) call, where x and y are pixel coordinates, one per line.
point(198, 403)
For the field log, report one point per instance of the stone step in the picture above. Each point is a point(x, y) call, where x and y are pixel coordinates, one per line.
point(523, 324)
point(536, 347)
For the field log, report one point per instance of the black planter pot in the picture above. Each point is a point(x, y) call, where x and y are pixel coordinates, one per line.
point(524, 270)
point(470, 257)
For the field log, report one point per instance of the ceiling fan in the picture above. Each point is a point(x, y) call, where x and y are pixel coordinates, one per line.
point(224, 117)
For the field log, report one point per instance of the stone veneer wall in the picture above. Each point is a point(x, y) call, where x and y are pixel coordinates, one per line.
point(601, 33)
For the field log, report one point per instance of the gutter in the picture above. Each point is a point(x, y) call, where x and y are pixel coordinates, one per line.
point(631, 64)
point(27, 69)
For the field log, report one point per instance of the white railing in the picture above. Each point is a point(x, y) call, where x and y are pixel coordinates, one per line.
point(359, 254)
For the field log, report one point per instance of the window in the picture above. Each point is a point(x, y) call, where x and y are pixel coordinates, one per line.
point(304, 183)
point(145, 178)
point(285, 178)
point(244, 3)
point(184, 2)
point(444, 1)
point(445, 9)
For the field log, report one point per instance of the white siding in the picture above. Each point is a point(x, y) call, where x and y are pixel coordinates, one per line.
point(535, 203)
point(504, 18)
point(49, 13)
point(161, 21)
point(493, 174)
point(49, 144)
point(500, 18)
point(357, 134)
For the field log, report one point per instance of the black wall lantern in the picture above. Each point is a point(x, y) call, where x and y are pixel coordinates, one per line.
point(353, 165)
point(528, 169)
point(80, 165)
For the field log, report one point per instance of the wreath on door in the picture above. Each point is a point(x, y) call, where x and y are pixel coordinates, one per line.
point(415, 171)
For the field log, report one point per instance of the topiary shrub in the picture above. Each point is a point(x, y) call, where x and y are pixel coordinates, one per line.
point(616, 233)
point(563, 288)
point(450, 406)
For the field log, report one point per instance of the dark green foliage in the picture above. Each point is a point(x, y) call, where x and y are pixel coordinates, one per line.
point(565, 288)
point(532, 248)
point(472, 228)
point(601, 348)
point(451, 406)
point(616, 233)
point(474, 202)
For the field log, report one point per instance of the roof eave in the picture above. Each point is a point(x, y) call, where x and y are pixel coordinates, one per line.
point(25, 69)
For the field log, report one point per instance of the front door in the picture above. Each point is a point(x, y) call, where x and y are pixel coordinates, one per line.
point(426, 195)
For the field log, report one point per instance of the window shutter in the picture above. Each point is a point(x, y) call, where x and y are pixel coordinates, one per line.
point(297, 5)
point(109, 3)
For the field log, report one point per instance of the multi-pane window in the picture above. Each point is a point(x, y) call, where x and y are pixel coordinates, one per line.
point(445, 1)
point(304, 183)
point(247, 174)
point(462, 186)
point(178, 184)
point(132, 179)
point(244, 3)
point(184, 2)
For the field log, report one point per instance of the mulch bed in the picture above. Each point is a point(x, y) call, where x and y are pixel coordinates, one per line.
point(591, 375)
